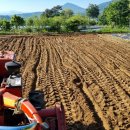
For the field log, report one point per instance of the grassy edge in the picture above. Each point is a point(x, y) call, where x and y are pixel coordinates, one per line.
point(105, 30)
point(114, 30)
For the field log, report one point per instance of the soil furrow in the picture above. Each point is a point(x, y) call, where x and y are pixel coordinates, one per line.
point(89, 74)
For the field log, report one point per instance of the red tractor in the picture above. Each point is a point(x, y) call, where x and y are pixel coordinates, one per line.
point(18, 113)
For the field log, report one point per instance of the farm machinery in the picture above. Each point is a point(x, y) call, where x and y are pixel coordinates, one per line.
point(18, 113)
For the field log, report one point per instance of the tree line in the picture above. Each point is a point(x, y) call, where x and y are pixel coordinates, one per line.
point(58, 20)
point(116, 14)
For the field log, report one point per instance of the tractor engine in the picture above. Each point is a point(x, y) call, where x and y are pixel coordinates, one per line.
point(10, 73)
point(14, 79)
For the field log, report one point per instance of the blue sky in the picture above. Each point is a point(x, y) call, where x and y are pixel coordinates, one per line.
point(40, 5)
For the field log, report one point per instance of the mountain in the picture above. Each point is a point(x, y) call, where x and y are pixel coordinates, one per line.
point(12, 12)
point(104, 5)
point(24, 15)
point(79, 10)
point(76, 9)
point(5, 17)
point(27, 15)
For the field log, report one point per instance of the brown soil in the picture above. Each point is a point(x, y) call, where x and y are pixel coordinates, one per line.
point(89, 74)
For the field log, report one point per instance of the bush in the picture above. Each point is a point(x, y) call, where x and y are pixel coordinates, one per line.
point(116, 29)
point(92, 22)
point(5, 25)
point(55, 24)
point(73, 23)
point(38, 29)
point(17, 21)
point(102, 19)
point(28, 29)
point(116, 14)
point(44, 31)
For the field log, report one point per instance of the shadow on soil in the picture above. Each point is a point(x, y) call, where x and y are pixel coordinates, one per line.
point(80, 126)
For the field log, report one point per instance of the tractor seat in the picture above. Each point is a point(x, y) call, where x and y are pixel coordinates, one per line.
point(4, 58)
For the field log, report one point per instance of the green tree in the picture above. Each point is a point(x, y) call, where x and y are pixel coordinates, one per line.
point(102, 19)
point(117, 13)
point(17, 21)
point(73, 23)
point(30, 22)
point(0, 23)
point(48, 13)
point(92, 22)
point(5, 25)
point(40, 23)
point(43, 21)
point(67, 13)
point(37, 23)
point(93, 11)
point(55, 11)
point(56, 23)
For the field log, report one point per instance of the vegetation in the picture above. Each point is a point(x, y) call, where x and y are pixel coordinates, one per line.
point(30, 22)
point(115, 18)
point(17, 21)
point(5, 25)
point(72, 24)
point(55, 24)
point(67, 13)
point(117, 14)
point(116, 29)
point(55, 11)
point(93, 11)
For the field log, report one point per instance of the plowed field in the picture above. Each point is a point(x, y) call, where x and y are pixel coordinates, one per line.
point(89, 74)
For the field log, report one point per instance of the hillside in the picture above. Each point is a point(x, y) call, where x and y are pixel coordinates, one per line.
point(104, 5)
point(26, 15)
point(5, 17)
point(76, 9)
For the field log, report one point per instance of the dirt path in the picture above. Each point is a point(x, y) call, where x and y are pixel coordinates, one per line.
point(89, 74)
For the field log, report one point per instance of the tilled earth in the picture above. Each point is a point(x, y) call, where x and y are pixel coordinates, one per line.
point(89, 74)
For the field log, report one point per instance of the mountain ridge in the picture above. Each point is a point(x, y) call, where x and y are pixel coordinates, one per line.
point(104, 5)
point(75, 8)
